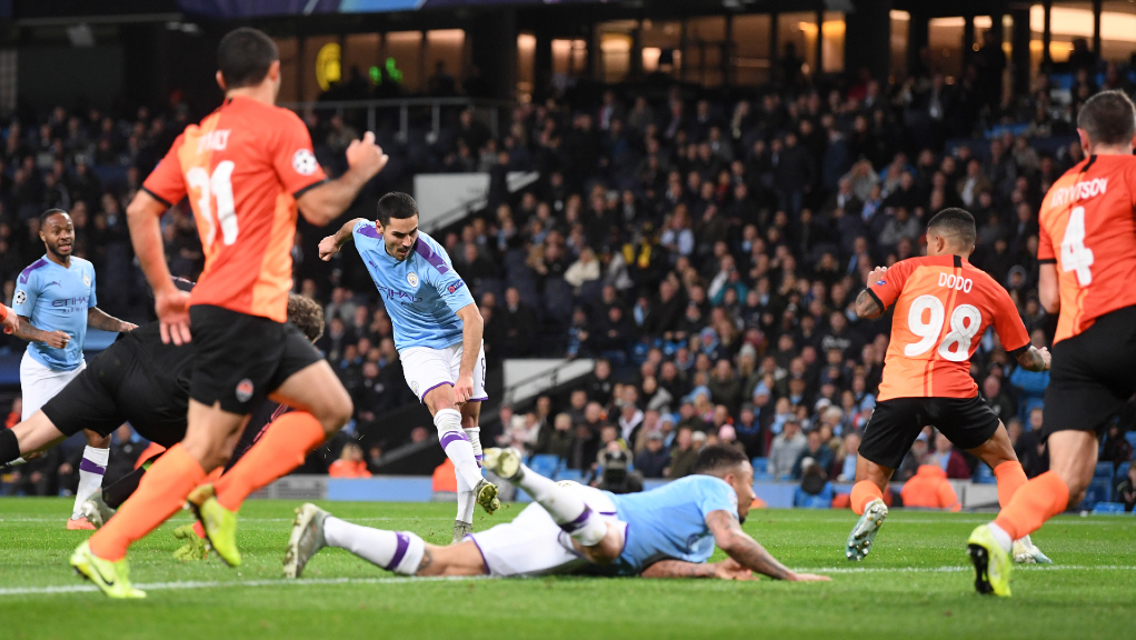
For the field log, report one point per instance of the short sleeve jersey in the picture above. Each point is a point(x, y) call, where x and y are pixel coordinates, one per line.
point(943, 304)
point(422, 293)
point(670, 521)
point(57, 298)
point(1088, 229)
point(243, 168)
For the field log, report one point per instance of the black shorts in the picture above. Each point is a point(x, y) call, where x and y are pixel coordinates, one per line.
point(896, 423)
point(239, 359)
point(1092, 376)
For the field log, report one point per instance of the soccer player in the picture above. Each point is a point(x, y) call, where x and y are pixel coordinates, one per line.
point(55, 299)
point(246, 169)
point(437, 331)
point(1087, 252)
point(576, 529)
point(943, 305)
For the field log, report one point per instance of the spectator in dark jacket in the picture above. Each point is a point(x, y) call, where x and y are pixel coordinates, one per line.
point(654, 459)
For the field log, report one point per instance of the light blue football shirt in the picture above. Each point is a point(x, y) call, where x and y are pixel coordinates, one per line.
point(670, 521)
point(56, 298)
point(422, 293)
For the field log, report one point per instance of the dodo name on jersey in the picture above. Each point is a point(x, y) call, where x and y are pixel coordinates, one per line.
point(958, 283)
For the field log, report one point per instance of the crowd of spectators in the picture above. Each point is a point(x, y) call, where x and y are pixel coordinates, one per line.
point(705, 252)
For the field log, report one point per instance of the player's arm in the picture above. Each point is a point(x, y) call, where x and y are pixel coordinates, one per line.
point(1048, 292)
point(729, 537)
point(473, 328)
point(868, 304)
point(54, 339)
point(9, 320)
point(327, 201)
point(101, 320)
point(1034, 359)
point(143, 217)
point(728, 569)
point(331, 245)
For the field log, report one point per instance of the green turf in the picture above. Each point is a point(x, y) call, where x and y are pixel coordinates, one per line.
point(1087, 594)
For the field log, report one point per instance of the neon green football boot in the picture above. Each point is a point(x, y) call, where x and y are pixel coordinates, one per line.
point(992, 563)
point(112, 578)
point(220, 523)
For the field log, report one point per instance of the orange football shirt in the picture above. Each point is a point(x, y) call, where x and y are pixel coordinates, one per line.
point(243, 168)
point(1088, 229)
point(943, 305)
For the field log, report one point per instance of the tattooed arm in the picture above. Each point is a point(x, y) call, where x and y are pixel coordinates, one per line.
point(99, 319)
point(728, 569)
point(746, 551)
point(1034, 359)
point(867, 305)
point(54, 339)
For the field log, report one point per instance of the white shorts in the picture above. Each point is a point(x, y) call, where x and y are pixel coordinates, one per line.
point(38, 384)
point(427, 369)
point(533, 544)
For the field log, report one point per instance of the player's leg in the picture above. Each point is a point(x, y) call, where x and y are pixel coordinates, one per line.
point(92, 469)
point(467, 500)
point(37, 433)
point(398, 551)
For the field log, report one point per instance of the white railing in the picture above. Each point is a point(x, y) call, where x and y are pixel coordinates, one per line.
point(404, 105)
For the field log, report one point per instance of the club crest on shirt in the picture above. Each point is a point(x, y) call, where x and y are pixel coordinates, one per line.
point(244, 390)
point(412, 279)
point(20, 298)
point(414, 387)
point(87, 280)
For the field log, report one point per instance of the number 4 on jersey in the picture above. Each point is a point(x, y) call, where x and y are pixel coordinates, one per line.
point(1075, 256)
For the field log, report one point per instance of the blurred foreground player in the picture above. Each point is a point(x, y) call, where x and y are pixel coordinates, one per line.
point(1087, 252)
point(437, 331)
point(571, 528)
point(943, 305)
point(246, 169)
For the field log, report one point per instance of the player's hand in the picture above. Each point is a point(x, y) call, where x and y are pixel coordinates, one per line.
point(730, 569)
point(463, 390)
point(876, 275)
point(366, 156)
point(327, 248)
point(57, 339)
point(11, 322)
point(172, 306)
point(127, 327)
point(808, 577)
point(1046, 357)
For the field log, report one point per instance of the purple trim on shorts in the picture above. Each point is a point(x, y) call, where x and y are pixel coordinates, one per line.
point(578, 523)
point(27, 273)
point(427, 253)
point(92, 467)
point(399, 551)
point(370, 231)
point(450, 436)
point(422, 398)
point(478, 399)
point(469, 536)
point(607, 513)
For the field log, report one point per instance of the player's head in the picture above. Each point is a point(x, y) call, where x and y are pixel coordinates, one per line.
point(247, 57)
point(398, 222)
point(725, 462)
point(57, 232)
point(1107, 120)
point(951, 231)
point(306, 315)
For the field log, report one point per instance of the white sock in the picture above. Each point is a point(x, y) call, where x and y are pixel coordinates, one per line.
point(17, 461)
point(91, 472)
point(457, 447)
point(397, 551)
point(467, 501)
point(1001, 536)
point(565, 506)
point(474, 435)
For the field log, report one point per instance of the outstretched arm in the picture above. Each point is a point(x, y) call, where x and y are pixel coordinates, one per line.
point(728, 569)
point(320, 205)
point(746, 551)
point(99, 319)
point(331, 245)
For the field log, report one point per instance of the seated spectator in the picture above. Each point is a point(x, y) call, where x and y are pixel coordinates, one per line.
point(844, 465)
point(1115, 448)
point(727, 435)
point(930, 489)
point(350, 463)
point(1030, 384)
point(585, 269)
point(1126, 489)
point(816, 451)
point(748, 429)
point(683, 455)
point(946, 458)
point(997, 399)
point(558, 440)
point(787, 447)
point(912, 460)
point(654, 459)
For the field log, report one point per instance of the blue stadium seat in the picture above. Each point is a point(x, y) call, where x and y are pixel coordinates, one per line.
point(983, 474)
point(575, 475)
point(763, 477)
point(1131, 438)
point(1122, 470)
point(1108, 508)
point(760, 465)
point(822, 500)
point(545, 464)
point(1104, 470)
point(1100, 490)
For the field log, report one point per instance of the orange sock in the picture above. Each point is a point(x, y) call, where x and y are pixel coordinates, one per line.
point(1042, 498)
point(864, 492)
point(160, 494)
point(1010, 477)
point(283, 448)
point(199, 529)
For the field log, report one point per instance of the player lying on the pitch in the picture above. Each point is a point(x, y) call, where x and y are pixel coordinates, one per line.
point(143, 381)
point(668, 532)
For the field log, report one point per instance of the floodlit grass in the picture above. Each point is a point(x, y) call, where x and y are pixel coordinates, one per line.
point(916, 583)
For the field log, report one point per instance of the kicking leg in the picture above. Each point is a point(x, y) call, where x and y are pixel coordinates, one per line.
point(998, 454)
point(96, 456)
point(37, 433)
point(463, 524)
point(867, 502)
point(456, 444)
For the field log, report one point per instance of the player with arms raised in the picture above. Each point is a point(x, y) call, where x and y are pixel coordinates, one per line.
point(1087, 252)
point(246, 169)
point(437, 331)
point(943, 305)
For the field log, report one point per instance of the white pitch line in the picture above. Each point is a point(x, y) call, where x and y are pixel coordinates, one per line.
point(161, 586)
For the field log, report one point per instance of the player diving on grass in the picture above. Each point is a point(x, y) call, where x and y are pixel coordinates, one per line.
point(668, 532)
point(1087, 274)
point(437, 331)
point(247, 169)
point(56, 302)
point(943, 305)
point(143, 381)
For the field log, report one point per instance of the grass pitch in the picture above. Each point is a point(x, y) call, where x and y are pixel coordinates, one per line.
point(916, 583)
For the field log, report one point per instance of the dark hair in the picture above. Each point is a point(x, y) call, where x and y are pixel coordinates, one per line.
point(47, 214)
point(244, 56)
point(306, 315)
point(717, 458)
point(955, 221)
point(396, 205)
point(1108, 117)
